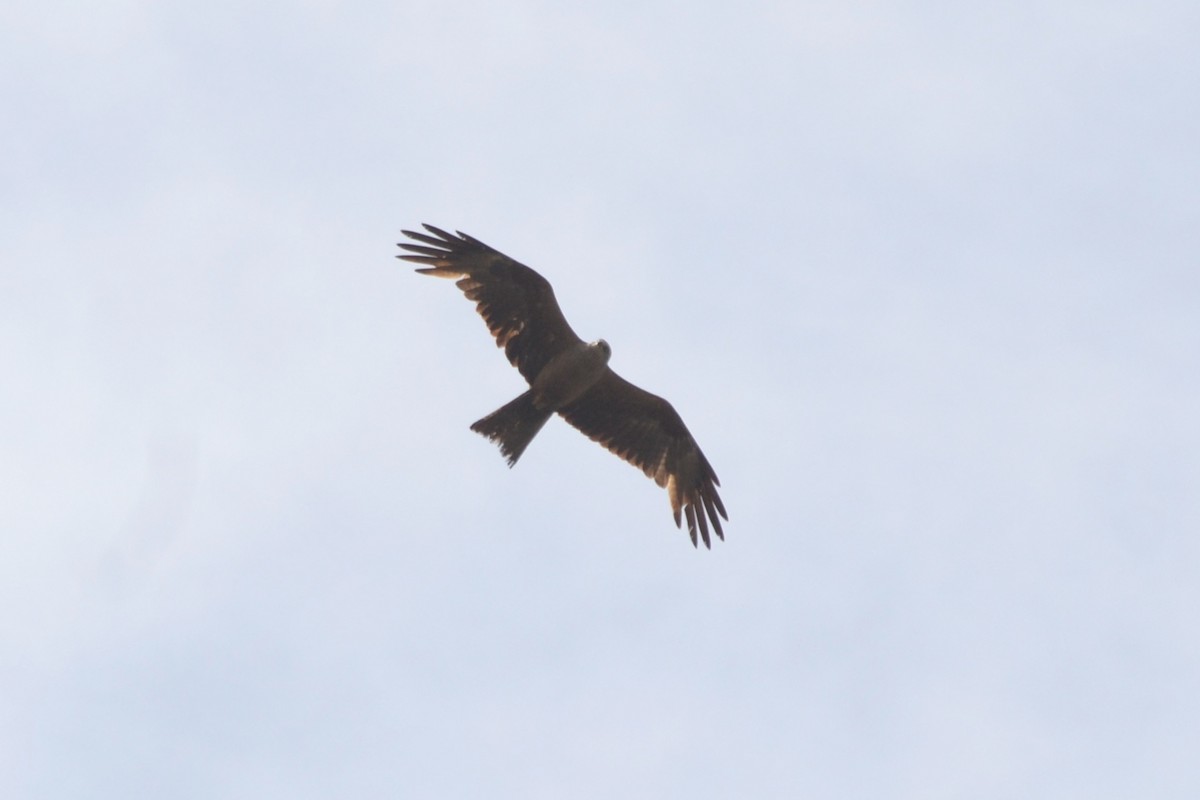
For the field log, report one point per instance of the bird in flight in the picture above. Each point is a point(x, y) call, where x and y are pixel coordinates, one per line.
point(569, 377)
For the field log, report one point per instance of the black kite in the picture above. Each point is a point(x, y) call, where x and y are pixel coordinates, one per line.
point(571, 377)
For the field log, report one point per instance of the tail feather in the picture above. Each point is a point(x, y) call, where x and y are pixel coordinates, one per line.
point(513, 426)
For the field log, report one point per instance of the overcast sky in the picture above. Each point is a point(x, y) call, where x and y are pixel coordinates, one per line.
point(922, 278)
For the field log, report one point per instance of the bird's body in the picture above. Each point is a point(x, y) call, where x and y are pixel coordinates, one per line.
point(569, 374)
point(570, 377)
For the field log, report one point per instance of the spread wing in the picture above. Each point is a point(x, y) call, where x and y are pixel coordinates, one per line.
point(646, 431)
point(517, 304)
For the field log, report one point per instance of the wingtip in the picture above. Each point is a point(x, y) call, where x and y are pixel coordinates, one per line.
point(436, 231)
point(440, 273)
point(697, 527)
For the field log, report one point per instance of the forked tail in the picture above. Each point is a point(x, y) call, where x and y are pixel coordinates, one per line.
point(513, 425)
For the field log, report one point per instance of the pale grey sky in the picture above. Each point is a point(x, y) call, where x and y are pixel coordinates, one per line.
point(922, 278)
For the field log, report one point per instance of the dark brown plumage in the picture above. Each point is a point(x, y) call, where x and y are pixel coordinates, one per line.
point(570, 377)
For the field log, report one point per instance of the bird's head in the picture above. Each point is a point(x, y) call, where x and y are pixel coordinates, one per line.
point(603, 347)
